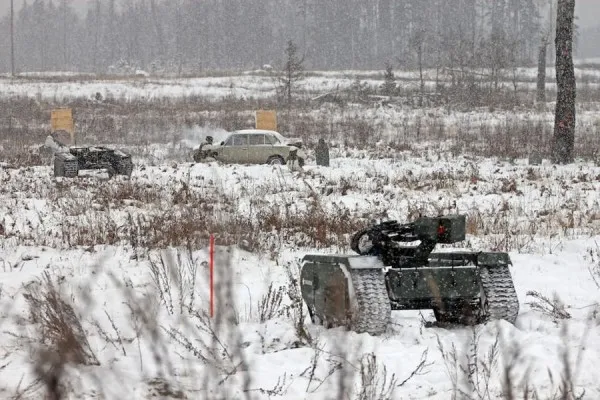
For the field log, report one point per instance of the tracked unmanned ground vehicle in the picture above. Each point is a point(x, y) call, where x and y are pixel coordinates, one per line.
point(360, 291)
point(115, 162)
point(69, 160)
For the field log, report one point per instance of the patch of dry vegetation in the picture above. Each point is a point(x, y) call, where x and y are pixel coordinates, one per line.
point(63, 341)
point(299, 209)
point(137, 123)
point(477, 371)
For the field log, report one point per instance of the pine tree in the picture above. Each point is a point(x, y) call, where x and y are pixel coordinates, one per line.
point(389, 81)
point(293, 71)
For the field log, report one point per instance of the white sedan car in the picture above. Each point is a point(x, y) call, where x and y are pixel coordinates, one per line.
point(253, 146)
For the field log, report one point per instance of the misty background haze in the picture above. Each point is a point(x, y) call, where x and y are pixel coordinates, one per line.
point(587, 11)
point(187, 36)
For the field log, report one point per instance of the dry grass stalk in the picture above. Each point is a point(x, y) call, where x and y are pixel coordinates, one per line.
point(59, 327)
point(553, 308)
point(60, 331)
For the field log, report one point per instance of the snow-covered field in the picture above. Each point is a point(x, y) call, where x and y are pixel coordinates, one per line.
point(64, 87)
point(130, 256)
point(143, 317)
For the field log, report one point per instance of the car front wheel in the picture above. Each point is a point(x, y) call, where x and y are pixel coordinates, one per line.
point(198, 156)
point(275, 160)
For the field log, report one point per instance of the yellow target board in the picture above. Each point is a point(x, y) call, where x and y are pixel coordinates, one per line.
point(61, 119)
point(266, 119)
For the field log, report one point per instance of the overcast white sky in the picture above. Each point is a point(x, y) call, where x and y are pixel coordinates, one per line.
point(588, 11)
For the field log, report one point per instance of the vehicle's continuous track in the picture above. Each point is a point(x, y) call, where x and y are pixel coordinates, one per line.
point(374, 309)
point(501, 300)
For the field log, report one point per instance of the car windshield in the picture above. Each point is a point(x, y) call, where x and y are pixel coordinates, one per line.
point(272, 139)
point(279, 137)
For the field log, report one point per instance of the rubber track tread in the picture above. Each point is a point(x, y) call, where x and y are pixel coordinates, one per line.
point(66, 168)
point(501, 296)
point(125, 167)
point(374, 308)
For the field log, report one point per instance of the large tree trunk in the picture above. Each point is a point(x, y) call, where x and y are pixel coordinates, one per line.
point(564, 120)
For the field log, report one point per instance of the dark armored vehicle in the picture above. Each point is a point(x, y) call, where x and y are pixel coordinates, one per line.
point(115, 162)
point(68, 161)
point(360, 291)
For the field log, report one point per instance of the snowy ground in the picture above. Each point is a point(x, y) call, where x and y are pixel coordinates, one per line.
point(130, 256)
point(136, 314)
point(65, 87)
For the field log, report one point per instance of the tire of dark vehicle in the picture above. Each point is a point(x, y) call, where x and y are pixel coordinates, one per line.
point(276, 160)
point(361, 243)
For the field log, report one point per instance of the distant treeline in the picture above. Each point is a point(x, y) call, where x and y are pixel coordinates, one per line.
point(192, 35)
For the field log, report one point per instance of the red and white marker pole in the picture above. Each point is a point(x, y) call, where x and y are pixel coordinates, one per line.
point(212, 268)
